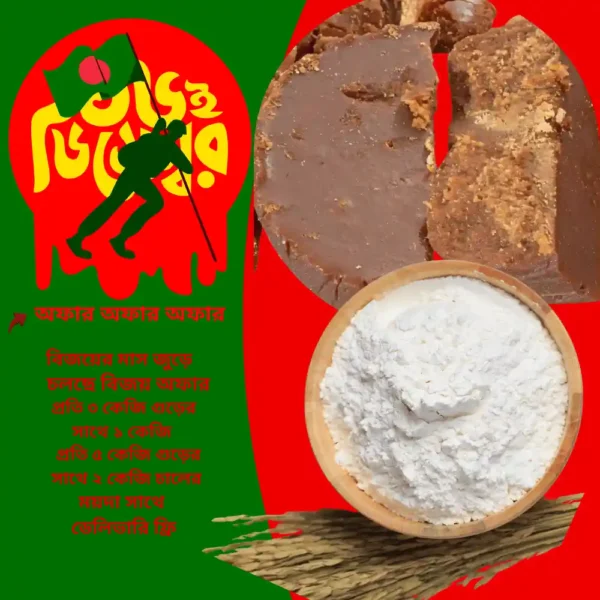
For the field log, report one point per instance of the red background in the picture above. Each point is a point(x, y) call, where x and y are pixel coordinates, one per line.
point(284, 320)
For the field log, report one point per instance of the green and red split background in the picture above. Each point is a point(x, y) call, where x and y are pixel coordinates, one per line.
point(255, 452)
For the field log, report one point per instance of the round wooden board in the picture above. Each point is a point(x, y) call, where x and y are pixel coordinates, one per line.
point(394, 515)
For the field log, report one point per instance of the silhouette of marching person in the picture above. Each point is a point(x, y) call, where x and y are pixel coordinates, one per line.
point(142, 160)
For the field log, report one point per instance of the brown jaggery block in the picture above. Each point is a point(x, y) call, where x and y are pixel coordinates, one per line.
point(364, 17)
point(458, 19)
point(409, 11)
point(343, 159)
point(288, 61)
point(520, 187)
point(367, 16)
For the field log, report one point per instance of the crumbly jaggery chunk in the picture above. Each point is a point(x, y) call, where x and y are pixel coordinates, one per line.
point(409, 11)
point(458, 19)
point(343, 159)
point(364, 17)
point(367, 16)
point(520, 187)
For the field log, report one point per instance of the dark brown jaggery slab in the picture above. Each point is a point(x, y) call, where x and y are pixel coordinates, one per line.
point(368, 16)
point(343, 159)
point(578, 190)
point(519, 188)
point(458, 19)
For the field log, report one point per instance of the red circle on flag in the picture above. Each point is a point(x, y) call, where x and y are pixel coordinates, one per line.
point(94, 71)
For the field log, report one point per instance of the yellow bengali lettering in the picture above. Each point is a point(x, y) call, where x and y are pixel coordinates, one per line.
point(210, 145)
point(167, 97)
point(202, 99)
point(70, 168)
point(41, 120)
point(214, 158)
point(109, 116)
point(113, 160)
point(126, 133)
point(103, 180)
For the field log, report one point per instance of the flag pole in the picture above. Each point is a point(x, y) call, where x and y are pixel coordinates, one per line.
point(183, 179)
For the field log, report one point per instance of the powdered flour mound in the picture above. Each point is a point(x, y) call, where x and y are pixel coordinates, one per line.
point(447, 395)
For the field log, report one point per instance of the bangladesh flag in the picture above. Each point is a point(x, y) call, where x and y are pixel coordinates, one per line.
point(86, 72)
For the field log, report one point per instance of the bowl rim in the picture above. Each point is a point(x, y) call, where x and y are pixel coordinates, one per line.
point(322, 444)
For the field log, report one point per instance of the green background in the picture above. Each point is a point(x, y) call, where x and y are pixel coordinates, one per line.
point(41, 556)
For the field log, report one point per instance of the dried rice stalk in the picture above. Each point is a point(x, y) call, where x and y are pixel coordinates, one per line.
point(338, 555)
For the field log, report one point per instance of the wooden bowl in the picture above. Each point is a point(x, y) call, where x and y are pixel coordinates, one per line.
point(402, 519)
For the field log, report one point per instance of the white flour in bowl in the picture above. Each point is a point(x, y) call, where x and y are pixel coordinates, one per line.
point(449, 396)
